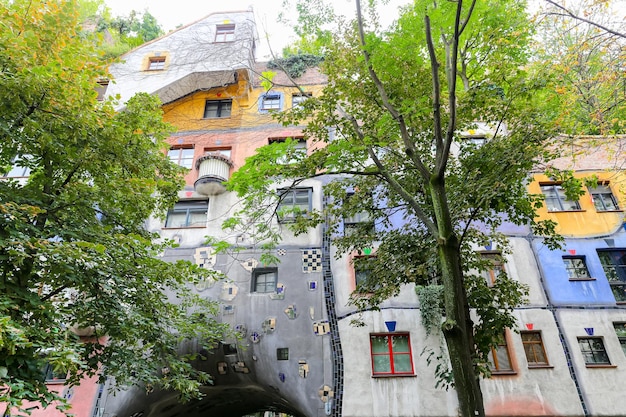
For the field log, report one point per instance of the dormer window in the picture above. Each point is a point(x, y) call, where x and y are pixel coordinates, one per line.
point(156, 63)
point(225, 33)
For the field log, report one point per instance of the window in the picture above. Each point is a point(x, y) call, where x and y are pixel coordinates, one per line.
point(534, 349)
point(299, 98)
point(156, 63)
point(494, 268)
point(225, 33)
point(264, 280)
point(391, 354)
point(499, 357)
point(181, 156)
point(614, 265)
point(225, 152)
point(282, 354)
point(362, 272)
point(17, 170)
point(297, 152)
point(576, 267)
point(620, 331)
point(293, 204)
point(101, 89)
point(187, 214)
point(556, 199)
point(603, 198)
point(475, 140)
point(217, 108)
point(270, 102)
point(52, 375)
point(593, 351)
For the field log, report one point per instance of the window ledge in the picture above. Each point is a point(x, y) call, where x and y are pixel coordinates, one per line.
point(395, 376)
point(567, 211)
point(540, 366)
point(610, 211)
point(55, 381)
point(582, 279)
point(590, 365)
point(183, 227)
point(503, 373)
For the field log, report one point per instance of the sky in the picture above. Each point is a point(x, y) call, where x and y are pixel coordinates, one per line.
point(172, 13)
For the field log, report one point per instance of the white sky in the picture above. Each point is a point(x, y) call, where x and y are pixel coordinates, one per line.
point(171, 13)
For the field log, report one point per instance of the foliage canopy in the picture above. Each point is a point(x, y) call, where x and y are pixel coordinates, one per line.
point(74, 254)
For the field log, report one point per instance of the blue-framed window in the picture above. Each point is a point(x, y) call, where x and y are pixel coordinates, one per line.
point(271, 101)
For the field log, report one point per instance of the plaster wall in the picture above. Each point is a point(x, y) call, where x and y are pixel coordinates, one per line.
point(560, 288)
point(600, 385)
point(131, 75)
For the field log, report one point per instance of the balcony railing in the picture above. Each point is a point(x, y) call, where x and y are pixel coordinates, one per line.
point(213, 172)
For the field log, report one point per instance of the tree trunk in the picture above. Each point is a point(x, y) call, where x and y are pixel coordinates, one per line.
point(458, 327)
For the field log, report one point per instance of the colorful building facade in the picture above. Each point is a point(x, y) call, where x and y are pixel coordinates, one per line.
point(298, 350)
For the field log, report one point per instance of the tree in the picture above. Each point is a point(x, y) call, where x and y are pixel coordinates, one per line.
point(582, 60)
point(398, 102)
point(74, 255)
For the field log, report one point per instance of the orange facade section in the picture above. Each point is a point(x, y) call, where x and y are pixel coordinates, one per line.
point(596, 213)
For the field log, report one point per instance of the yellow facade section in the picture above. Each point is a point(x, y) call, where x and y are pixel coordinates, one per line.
point(188, 113)
point(587, 219)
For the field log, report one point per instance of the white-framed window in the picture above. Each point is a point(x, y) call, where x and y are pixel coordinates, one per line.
point(494, 268)
point(189, 213)
point(556, 200)
point(603, 198)
point(217, 108)
point(225, 33)
point(270, 101)
point(294, 203)
point(181, 156)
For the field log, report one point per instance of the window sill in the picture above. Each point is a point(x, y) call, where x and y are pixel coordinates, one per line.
point(503, 373)
point(55, 381)
point(567, 211)
point(610, 211)
point(395, 376)
point(540, 366)
point(214, 118)
point(183, 227)
point(582, 279)
point(588, 365)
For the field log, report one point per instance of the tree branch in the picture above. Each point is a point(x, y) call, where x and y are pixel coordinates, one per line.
point(582, 19)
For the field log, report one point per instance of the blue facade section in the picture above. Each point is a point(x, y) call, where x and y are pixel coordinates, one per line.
point(562, 290)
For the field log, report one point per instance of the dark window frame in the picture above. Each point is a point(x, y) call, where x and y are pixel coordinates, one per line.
point(497, 266)
point(613, 261)
point(268, 286)
point(223, 109)
point(391, 354)
point(557, 195)
point(298, 98)
point(603, 198)
point(577, 272)
point(189, 208)
point(620, 332)
point(288, 199)
point(593, 355)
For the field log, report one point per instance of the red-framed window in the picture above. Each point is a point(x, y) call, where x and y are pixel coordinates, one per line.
point(391, 354)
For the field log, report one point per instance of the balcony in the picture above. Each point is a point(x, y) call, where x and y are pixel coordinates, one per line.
point(213, 171)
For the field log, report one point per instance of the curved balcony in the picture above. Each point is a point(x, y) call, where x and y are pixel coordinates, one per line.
point(213, 171)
